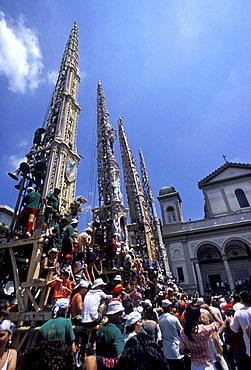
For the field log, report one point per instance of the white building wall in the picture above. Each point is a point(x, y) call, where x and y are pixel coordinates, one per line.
point(178, 260)
point(216, 201)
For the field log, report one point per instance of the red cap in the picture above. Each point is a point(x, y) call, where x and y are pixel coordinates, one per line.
point(68, 256)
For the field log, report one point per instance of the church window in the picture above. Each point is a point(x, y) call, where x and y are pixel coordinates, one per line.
point(242, 199)
point(170, 214)
point(180, 272)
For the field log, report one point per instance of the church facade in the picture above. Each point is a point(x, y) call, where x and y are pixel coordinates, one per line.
point(216, 249)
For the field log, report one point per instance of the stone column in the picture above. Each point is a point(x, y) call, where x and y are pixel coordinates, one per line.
point(199, 277)
point(228, 272)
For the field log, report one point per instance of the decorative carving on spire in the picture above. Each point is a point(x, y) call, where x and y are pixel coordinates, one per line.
point(147, 189)
point(140, 220)
point(56, 151)
point(111, 207)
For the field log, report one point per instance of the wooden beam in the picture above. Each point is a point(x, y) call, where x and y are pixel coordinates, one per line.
point(16, 281)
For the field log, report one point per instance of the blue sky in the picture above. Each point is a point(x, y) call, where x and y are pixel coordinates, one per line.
point(177, 71)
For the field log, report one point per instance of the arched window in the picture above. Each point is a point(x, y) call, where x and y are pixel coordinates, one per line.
point(170, 215)
point(242, 199)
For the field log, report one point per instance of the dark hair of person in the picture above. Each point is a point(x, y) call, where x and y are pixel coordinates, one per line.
point(228, 299)
point(142, 353)
point(4, 304)
point(208, 299)
point(47, 355)
point(79, 256)
point(62, 312)
point(192, 316)
point(229, 312)
point(236, 298)
point(245, 297)
point(130, 329)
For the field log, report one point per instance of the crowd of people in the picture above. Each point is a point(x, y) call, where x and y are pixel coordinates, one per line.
point(138, 318)
point(122, 326)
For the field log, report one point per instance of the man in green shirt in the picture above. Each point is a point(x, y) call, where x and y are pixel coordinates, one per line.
point(109, 342)
point(68, 239)
point(59, 327)
point(51, 212)
point(57, 234)
point(27, 216)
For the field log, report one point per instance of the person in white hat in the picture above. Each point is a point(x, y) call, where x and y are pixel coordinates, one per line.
point(133, 325)
point(170, 329)
point(50, 264)
point(93, 309)
point(8, 358)
point(117, 279)
point(149, 312)
point(77, 301)
point(59, 327)
point(109, 342)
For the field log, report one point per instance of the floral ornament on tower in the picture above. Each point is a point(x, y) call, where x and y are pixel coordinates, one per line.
point(76, 207)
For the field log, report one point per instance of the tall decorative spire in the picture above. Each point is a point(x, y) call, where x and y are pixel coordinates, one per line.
point(147, 189)
point(111, 209)
point(55, 152)
point(141, 223)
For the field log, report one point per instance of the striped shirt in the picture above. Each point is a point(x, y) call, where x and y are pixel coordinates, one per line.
point(199, 347)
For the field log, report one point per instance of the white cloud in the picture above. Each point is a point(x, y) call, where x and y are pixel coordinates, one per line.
point(14, 161)
point(52, 77)
point(82, 74)
point(22, 143)
point(20, 55)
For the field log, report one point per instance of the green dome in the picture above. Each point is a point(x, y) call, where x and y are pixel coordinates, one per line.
point(167, 190)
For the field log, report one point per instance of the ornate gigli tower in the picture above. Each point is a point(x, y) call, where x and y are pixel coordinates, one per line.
point(111, 212)
point(150, 202)
point(61, 127)
point(140, 228)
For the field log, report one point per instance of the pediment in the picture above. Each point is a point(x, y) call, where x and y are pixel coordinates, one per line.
point(226, 172)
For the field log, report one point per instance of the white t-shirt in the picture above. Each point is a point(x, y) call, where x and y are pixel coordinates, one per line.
point(237, 306)
point(126, 337)
point(170, 328)
point(91, 304)
point(242, 318)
